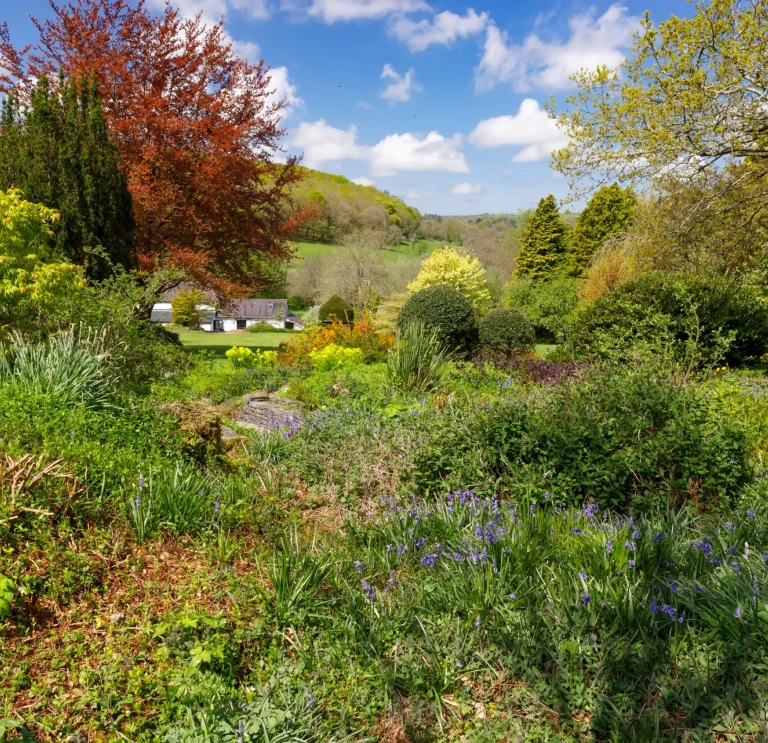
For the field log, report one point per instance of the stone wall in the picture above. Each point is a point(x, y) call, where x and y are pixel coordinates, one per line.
point(266, 411)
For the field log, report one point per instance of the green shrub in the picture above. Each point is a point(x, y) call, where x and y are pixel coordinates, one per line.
point(701, 319)
point(264, 327)
point(418, 361)
point(506, 329)
point(549, 305)
point(297, 303)
point(627, 439)
point(336, 309)
point(445, 309)
point(186, 308)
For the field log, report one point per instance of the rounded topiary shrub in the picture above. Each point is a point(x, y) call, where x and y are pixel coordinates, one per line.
point(336, 309)
point(445, 308)
point(507, 329)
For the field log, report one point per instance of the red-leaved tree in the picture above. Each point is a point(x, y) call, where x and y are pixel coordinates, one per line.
point(197, 128)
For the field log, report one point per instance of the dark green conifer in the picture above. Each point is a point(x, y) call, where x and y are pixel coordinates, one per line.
point(58, 152)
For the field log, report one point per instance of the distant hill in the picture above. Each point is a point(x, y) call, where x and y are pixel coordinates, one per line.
point(342, 207)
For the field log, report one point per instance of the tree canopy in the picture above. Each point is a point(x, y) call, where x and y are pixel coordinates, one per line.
point(196, 126)
point(543, 244)
point(608, 212)
point(463, 272)
point(684, 115)
point(58, 152)
point(28, 273)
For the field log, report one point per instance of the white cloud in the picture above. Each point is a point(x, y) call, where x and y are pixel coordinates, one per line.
point(541, 64)
point(399, 91)
point(323, 143)
point(363, 181)
point(397, 153)
point(411, 153)
point(331, 11)
point(444, 28)
point(417, 193)
point(531, 127)
point(258, 9)
point(364, 105)
point(283, 87)
point(463, 189)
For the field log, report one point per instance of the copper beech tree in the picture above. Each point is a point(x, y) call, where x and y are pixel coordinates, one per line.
point(197, 128)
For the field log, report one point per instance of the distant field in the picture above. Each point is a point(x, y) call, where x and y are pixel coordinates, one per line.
point(395, 254)
point(544, 349)
point(219, 343)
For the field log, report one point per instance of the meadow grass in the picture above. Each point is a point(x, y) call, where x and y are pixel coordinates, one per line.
point(392, 254)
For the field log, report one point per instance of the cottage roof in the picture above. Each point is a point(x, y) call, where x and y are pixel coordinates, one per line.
point(254, 309)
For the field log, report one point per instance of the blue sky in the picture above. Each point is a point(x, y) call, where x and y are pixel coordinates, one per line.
point(437, 101)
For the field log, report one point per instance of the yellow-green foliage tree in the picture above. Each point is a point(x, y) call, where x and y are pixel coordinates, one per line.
point(185, 308)
point(462, 272)
point(686, 114)
point(31, 277)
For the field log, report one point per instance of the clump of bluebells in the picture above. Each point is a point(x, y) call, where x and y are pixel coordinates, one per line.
point(585, 568)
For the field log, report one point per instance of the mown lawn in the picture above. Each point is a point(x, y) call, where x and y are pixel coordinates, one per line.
point(219, 343)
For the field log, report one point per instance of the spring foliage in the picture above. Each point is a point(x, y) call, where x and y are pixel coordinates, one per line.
point(610, 211)
point(463, 272)
point(242, 357)
point(507, 329)
point(543, 245)
point(28, 270)
point(335, 357)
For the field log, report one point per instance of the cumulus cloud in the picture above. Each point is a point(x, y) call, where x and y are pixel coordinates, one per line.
point(401, 87)
point(283, 87)
point(363, 181)
point(530, 127)
point(258, 9)
point(331, 11)
point(397, 153)
point(323, 143)
point(412, 153)
point(540, 64)
point(444, 28)
point(417, 193)
point(464, 189)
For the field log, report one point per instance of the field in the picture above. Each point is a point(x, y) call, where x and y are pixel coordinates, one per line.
point(218, 343)
point(394, 254)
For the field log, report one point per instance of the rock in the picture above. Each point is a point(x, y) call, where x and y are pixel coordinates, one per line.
point(262, 411)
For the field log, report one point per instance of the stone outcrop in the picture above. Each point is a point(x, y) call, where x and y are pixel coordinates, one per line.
point(263, 411)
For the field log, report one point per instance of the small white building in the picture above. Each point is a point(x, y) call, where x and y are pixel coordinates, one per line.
point(237, 314)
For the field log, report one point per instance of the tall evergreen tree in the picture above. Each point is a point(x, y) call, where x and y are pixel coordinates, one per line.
point(543, 245)
point(608, 212)
point(58, 152)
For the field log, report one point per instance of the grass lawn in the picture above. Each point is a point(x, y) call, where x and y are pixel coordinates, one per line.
point(219, 343)
point(544, 349)
point(393, 254)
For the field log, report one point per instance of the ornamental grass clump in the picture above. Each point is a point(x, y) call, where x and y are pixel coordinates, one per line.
point(69, 368)
point(418, 361)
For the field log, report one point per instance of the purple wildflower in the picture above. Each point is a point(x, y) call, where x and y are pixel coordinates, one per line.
point(630, 545)
point(658, 537)
point(609, 547)
point(368, 590)
point(654, 607)
point(401, 550)
point(697, 588)
point(576, 530)
point(703, 545)
point(751, 513)
point(729, 526)
point(585, 598)
point(630, 564)
point(670, 611)
point(737, 613)
point(672, 585)
point(358, 565)
point(764, 555)
point(141, 481)
point(513, 595)
point(755, 591)
point(478, 622)
point(715, 560)
point(419, 543)
point(429, 560)
point(735, 565)
point(583, 575)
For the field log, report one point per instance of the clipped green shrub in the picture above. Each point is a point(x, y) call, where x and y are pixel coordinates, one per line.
point(549, 305)
point(707, 318)
point(336, 309)
point(447, 310)
point(506, 329)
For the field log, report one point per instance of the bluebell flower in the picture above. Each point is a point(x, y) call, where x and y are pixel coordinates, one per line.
point(429, 560)
point(368, 590)
point(654, 607)
point(715, 560)
point(576, 530)
point(513, 595)
point(697, 588)
point(478, 622)
point(630, 545)
point(755, 591)
point(630, 564)
point(672, 585)
point(737, 613)
point(729, 526)
point(358, 565)
point(751, 513)
point(658, 537)
point(419, 543)
point(670, 611)
point(764, 555)
point(585, 598)
point(609, 547)
point(703, 545)
point(735, 565)
point(582, 575)
point(732, 551)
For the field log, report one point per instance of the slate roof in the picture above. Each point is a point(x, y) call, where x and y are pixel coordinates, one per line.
point(254, 309)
